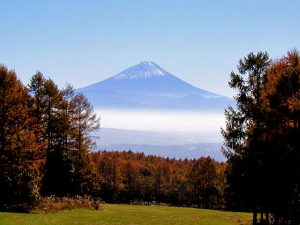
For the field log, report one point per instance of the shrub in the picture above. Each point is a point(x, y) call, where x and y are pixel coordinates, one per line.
point(54, 203)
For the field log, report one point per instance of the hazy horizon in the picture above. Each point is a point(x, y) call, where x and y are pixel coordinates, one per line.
point(167, 133)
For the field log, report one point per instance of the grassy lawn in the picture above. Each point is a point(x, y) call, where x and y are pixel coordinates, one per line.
point(129, 214)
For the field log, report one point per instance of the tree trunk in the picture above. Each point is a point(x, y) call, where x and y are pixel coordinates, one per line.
point(267, 218)
point(261, 218)
point(255, 217)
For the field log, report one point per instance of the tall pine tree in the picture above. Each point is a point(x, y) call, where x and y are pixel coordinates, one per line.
point(244, 124)
point(66, 119)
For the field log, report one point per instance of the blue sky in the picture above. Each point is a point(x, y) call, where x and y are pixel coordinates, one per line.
point(82, 42)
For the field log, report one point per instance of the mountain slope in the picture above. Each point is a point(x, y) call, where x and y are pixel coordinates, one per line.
point(147, 85)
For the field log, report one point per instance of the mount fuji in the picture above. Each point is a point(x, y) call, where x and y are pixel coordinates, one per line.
point(146, 108)
point(148, 86)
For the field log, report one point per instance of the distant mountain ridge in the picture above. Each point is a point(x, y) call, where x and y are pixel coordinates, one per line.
point(148, 86)
point(173, 144)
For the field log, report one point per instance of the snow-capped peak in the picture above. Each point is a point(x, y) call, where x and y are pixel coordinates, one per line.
point(145, 69)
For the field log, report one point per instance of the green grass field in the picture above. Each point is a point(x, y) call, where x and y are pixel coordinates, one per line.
point(129, 214)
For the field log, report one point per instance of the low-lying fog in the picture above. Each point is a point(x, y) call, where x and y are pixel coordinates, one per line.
point(163, 121)
point(182, 134)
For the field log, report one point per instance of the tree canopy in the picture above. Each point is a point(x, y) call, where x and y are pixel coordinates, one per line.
point(261, 138)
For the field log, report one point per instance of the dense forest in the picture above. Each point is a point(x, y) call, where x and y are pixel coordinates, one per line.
point(46, 142)
point(136, 178)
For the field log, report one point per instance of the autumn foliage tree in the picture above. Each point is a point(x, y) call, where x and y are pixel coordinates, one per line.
point(203, 182)
point(21, 154)
point(261, 138)
point(135, 178)
point(44, 142)
point(282, 103)
point(66, 119)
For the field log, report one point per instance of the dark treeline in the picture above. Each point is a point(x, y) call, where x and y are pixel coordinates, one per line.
point(134, 178)
point(262, 139)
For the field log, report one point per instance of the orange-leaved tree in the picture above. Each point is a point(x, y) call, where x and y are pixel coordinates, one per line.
point(21, 155)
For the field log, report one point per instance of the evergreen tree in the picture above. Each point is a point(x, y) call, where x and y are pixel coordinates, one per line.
point(82, 123)
point(48, 109)
point(65, 119)
point(243, 145)
point(261, 138)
